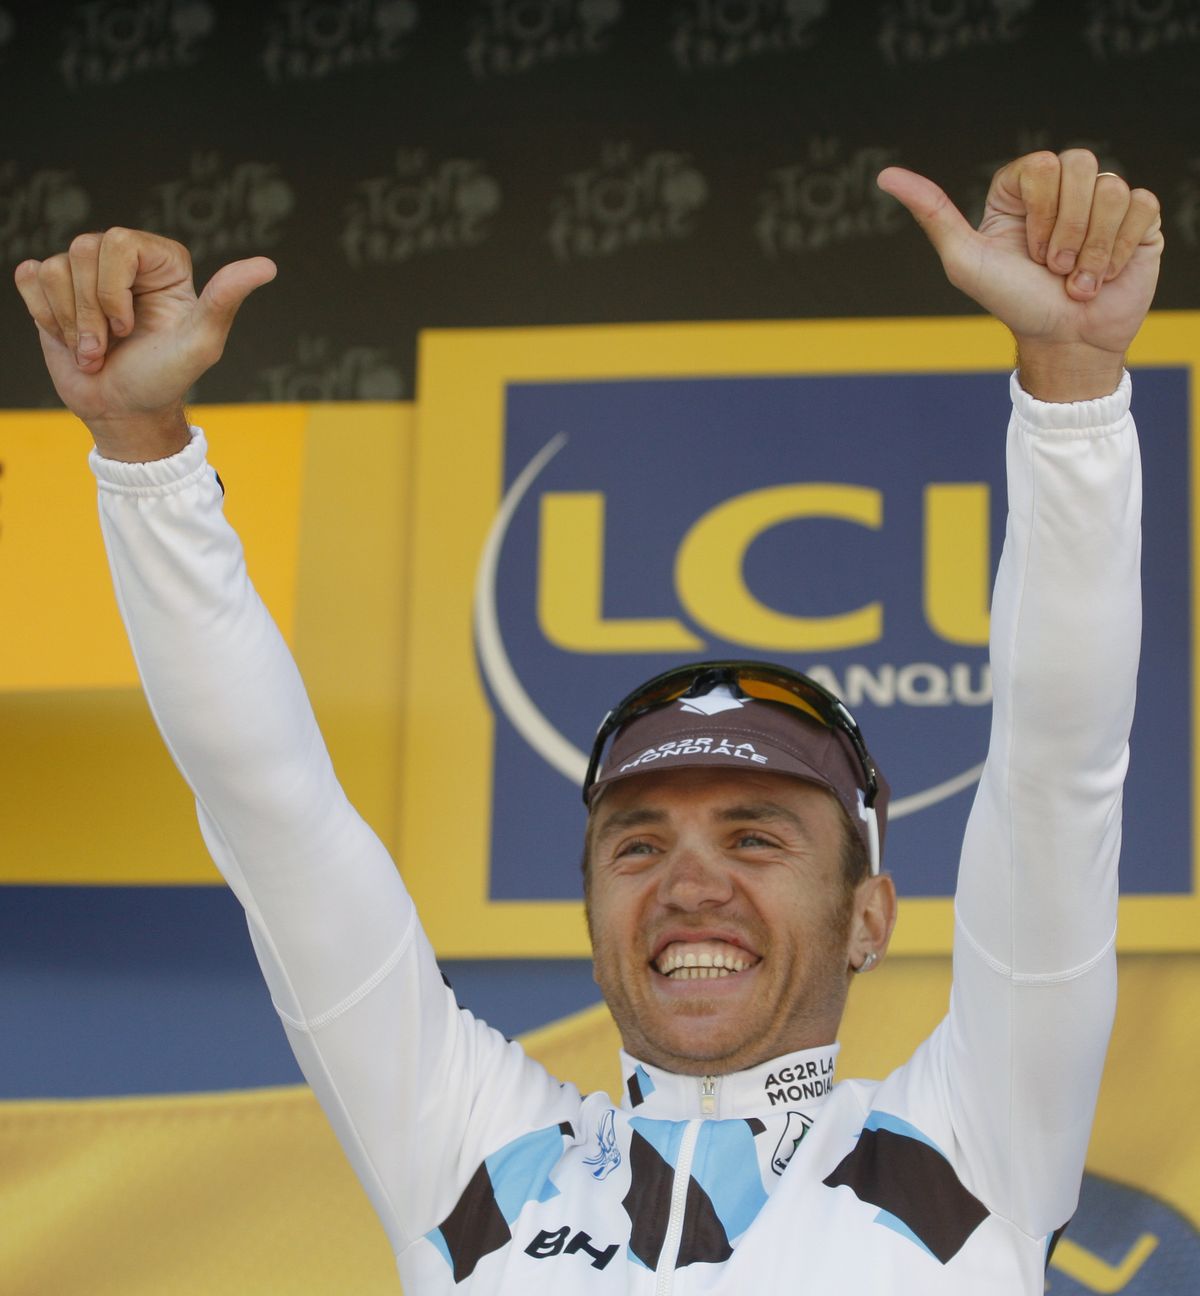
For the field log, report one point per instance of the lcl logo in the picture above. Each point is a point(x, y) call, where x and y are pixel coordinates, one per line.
point(709, 567)
point(709, 585)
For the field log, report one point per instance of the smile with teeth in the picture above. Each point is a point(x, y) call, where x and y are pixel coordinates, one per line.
point(692, 960)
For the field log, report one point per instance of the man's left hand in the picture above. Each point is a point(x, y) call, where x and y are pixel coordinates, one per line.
point(1067, 258)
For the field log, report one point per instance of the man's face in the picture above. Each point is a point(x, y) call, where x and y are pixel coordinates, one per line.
point(718, 916)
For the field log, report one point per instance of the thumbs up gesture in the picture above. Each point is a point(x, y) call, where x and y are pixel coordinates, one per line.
point(125, 335)
point(1065, 256)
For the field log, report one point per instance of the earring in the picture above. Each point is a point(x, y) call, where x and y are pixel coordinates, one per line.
point(868, 963)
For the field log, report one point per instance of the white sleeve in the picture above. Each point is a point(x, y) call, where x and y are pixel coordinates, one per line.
point(396, 1064)
point(1034, 966)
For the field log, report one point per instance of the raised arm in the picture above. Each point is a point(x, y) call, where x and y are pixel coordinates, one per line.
point(1068, 260)
point(394, 1062)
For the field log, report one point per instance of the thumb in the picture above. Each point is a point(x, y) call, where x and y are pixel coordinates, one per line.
point(944, 225)
point(225, 292)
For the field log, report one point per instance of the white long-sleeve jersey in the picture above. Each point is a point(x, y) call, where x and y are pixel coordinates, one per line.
point(950, 1176)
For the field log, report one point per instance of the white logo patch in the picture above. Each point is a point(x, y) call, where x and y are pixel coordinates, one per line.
point(720, 699)
point(798, 1125)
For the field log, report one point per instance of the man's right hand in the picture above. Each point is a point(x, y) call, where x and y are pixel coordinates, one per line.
point(125, 336)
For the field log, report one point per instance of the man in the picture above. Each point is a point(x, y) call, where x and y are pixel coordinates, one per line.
point(732, 846)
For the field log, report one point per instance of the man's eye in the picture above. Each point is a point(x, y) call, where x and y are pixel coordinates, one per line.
point(751, 839)
point(635, 848)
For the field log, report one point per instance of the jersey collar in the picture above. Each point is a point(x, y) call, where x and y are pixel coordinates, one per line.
point(798, 1081)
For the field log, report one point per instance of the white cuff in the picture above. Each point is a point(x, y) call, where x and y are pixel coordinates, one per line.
point(1099, 417)
point(160, 476)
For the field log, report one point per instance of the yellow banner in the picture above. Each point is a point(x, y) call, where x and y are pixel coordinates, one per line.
point(249, 1192)
point(61, 628)
point(88, 793)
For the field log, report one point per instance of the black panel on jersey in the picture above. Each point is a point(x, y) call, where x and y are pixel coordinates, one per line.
point(648, 1205)
point(648, 1201)
point(474, 1228)
point(703, 1240)
point(916, 1184)
point(635, 1091)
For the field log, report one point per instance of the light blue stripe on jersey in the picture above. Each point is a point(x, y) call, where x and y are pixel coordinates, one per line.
point(663, 1136)
point(878, 1120)
point(435, 1236)
point(520, 1171)
point(888, 1220)
point(726, 1167)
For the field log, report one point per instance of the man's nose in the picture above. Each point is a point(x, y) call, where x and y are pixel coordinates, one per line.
point(694, 877)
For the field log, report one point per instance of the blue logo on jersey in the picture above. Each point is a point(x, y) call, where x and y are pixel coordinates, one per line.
point(607, 1156)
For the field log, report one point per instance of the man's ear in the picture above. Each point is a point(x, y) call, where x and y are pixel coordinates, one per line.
point(872, 921)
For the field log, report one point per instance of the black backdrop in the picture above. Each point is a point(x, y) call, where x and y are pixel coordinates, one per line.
point(412, 164)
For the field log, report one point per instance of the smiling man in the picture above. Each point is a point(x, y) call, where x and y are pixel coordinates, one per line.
point(732, 851)
point(731, 866)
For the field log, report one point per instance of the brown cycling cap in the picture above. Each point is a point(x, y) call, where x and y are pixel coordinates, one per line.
point(720, 729)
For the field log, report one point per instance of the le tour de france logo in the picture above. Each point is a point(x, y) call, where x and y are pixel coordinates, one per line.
point(107, 42)
point(723, 33)
point(848, 526)
point(509, 37)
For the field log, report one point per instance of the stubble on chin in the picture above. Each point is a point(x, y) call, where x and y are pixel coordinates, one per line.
point(692, 1036)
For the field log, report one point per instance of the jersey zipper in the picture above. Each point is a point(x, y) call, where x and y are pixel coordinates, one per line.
point(664, 1275)
point(708, 1095)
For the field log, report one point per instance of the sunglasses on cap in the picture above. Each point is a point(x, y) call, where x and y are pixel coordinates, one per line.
point(751, 679)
